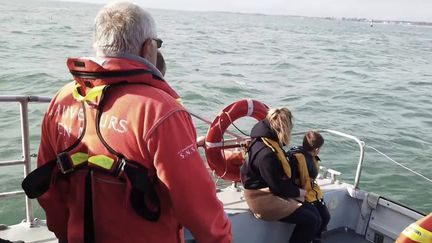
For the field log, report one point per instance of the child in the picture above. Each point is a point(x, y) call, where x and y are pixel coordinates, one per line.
point(305, 161)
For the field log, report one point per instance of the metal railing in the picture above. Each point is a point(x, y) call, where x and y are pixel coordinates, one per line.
point(26, 160)
point(361, 145)
point(241, 141)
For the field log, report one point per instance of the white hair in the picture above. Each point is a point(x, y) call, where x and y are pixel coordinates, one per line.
point(122, 27)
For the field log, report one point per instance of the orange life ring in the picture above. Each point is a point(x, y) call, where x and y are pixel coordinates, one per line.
point(226, 163)
point(418, 232)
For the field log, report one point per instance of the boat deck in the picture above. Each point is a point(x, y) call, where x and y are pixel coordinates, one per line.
point(248, 229)
point(343, 235)
point(387, 220)
point(39, 233)
point(239, 214)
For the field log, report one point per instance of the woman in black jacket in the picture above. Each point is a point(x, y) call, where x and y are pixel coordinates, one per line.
point(266, 176)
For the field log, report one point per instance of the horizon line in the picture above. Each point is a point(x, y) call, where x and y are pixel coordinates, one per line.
point(343, 18)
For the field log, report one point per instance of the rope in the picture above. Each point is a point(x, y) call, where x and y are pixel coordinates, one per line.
point(222, 150)
point(232, 123)
point(401, 165)
point(223, 155)
point(209, 122)
point(200, 118)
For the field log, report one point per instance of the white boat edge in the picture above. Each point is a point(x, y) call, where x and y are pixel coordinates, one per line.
point(356, 215)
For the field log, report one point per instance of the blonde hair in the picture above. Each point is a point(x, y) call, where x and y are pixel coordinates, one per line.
point(122, 27)
point(280, 120)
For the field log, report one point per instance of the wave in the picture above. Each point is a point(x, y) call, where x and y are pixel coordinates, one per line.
point(421, 83)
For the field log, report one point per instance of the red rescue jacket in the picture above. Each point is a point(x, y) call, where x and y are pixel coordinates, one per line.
point(142, 120)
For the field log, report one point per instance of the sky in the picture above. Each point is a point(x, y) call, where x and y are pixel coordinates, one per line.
point(409, 10)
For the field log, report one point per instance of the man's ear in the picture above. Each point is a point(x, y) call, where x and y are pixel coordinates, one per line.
point(160, 63)
point(149, 51)
point(145, 48)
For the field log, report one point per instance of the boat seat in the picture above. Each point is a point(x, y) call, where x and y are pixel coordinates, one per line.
point(245, 227)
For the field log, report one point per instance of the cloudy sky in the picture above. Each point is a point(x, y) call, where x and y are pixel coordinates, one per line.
point(411, 10)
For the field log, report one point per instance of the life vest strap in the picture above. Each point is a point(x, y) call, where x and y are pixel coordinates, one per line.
point(304, 179)
point(143, 196)
point(89, 232)
point(276, 148)
point(39, 180)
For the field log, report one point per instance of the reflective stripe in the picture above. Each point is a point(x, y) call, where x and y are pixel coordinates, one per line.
point(91, 95)
point(214, 145)
point(417, 233)
point(250, 107)
point(102, 161)
point(79, 158)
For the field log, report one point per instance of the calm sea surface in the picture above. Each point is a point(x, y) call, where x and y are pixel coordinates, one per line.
point(372, 82)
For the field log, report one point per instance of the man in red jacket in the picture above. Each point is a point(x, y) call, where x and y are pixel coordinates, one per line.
point(128, 165)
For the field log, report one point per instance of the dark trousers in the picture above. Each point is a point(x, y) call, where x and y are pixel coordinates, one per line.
point(324, 215)
point(307, 221)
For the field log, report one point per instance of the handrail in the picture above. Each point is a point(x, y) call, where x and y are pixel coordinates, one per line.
point(26, 160)
point(240, 142)
point(361, 148)
point(24, 98)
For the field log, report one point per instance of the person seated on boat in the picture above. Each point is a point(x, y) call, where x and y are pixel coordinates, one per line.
point(125, 147)
point(305, 164)
point(266, 176)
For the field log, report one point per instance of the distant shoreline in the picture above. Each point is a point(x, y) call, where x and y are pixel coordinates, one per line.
point(366, 20)
point(379, 21)
point(353, 19)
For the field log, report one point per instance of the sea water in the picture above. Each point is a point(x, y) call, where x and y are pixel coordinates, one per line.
point(372, 82)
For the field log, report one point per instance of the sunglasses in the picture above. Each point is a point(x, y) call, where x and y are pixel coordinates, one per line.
point(158, 42)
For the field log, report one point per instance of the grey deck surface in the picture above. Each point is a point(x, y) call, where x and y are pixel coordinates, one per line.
point(343, 236)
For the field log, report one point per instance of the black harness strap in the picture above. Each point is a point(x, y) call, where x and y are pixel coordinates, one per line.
point(89, 234)
point(252, 158)
point(39, 180)
point(143, 197)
